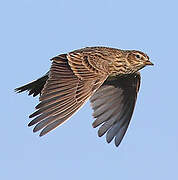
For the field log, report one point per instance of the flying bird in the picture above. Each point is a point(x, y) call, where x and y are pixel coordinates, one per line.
point(108, 76)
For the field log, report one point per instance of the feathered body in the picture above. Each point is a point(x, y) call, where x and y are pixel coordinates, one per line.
point(108, 76)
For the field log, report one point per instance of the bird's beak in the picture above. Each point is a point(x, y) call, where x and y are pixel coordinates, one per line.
point(149, 63)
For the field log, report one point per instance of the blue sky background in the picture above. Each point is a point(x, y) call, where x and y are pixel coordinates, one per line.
point(33, 31)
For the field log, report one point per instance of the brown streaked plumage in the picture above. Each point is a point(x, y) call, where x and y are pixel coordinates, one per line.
point(108, 76)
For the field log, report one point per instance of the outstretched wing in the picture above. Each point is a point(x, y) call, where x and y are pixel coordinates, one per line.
point(113, 104)
point(64, 93)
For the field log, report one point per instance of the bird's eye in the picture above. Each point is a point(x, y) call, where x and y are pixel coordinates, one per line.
point(137, 56)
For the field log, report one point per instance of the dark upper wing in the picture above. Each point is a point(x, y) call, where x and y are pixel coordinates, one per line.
point(63, 94)
point(34, 87)
point(113, 104)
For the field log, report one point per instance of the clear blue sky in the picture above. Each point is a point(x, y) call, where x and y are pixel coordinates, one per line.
point(32, 32)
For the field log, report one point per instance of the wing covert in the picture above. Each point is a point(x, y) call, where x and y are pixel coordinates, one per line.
point(89, 63)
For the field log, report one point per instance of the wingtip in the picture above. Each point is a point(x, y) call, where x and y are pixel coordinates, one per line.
point(31, 115)
point(17, 90)
point(117, 142)
point(100, 133)
point(94, 125)
point(42, 133)
point(30, 123)
point(117, 145)
point(108, 140)
point(35, 130)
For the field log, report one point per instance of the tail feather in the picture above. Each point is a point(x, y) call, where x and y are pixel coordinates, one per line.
point(35, 87)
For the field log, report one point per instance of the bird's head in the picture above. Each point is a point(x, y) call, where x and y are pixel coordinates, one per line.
point(136, 60)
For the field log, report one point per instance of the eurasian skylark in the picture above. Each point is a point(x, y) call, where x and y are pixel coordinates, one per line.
point(108, 76)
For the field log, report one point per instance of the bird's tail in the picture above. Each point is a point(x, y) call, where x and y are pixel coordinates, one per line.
point(34, 87)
